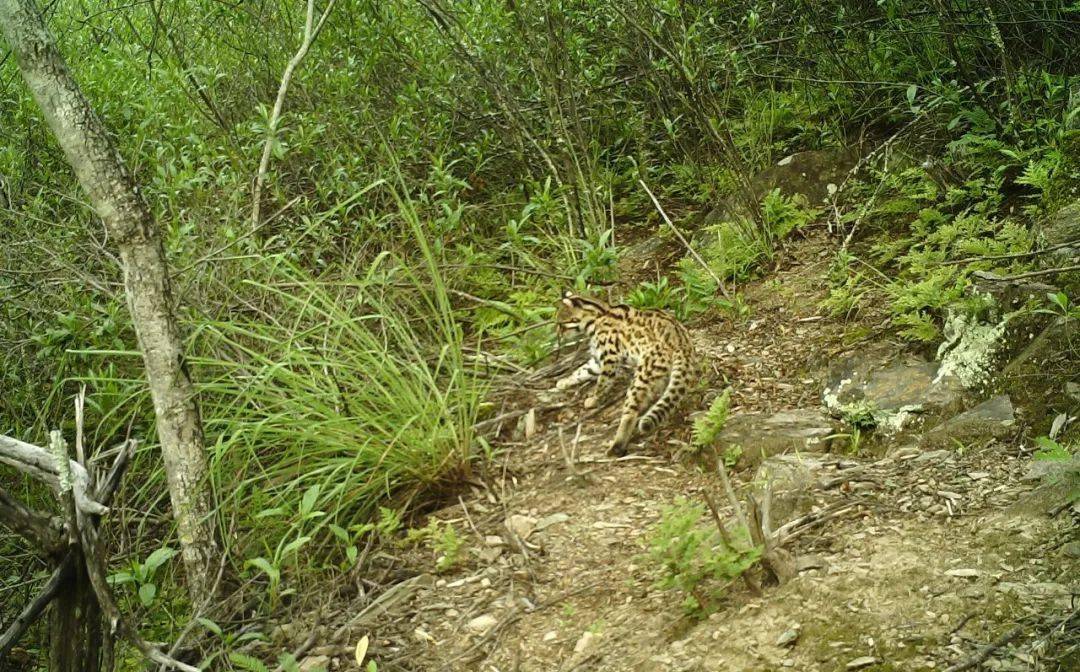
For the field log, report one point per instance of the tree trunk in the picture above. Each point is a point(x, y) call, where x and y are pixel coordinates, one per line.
point(127, 218)
point(75, 624)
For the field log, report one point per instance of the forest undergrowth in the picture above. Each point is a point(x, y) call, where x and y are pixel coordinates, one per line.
point(439, 174)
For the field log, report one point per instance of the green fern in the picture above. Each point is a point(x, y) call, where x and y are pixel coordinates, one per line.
point(246, 662)
point(708, 426)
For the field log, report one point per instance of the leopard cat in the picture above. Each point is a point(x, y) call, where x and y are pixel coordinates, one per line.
point(652, 342)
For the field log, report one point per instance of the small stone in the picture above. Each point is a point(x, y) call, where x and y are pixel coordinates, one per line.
point(522, 526)
point(788, 637)
point(485, 582)
point(451, 613)
point(978, 475)
point(494, 540)
point(862, 662)
point(312, 663)
point(1072, 549)
point(810, 561)
point(481, 624)
point(787, 662)
point(421, 635)
point(584, 642)
point(550, 636)
point(553, 519)
point(962, 573)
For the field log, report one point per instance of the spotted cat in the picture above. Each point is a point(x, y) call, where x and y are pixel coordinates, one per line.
point(652, 342)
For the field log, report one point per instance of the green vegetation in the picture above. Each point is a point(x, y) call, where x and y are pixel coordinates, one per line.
point(693, 556)
point(441, 171)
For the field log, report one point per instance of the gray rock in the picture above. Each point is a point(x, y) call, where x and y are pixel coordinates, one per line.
point(859, 663)
point(992, 419)
point(1071, 549)
point(553, 519)
point(1062, 227)
point(1036, 377)
point(481, 624)
point(760, 435)
point(807, 174)
point(788, 637)
point(792, 480)
point(898, 397)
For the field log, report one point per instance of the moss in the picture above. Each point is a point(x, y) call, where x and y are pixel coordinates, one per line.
point(1065, 184)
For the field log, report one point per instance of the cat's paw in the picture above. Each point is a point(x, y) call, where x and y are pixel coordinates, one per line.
point(617, 448)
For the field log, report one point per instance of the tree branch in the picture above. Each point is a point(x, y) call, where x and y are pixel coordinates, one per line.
point(311, 31)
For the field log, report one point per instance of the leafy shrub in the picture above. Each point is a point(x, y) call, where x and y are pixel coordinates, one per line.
point(693, 557)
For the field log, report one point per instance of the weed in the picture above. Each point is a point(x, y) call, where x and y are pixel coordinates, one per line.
point(693, 557)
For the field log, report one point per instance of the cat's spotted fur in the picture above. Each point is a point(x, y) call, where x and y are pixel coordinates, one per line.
point(652, 342)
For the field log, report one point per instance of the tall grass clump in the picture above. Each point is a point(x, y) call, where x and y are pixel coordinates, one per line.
point(350, 386)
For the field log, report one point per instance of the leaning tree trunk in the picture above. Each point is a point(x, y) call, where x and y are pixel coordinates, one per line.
point(116, 198)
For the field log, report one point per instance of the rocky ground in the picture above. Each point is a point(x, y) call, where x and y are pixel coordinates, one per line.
point(912, 549)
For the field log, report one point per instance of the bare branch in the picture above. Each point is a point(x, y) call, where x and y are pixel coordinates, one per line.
point(311, 31)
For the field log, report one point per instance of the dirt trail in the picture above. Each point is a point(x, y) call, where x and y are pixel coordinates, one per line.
point(928, 555)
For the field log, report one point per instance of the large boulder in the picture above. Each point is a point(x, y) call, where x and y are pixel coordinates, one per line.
point(992, 419)
point(752, 437)
point(808, 174)
point(1037, 378)
point(901, 396)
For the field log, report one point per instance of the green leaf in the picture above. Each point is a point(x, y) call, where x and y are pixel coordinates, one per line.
point(295, 545)
point(911, 91)
point(308, 501)
point(269, 513)
point(339, 532)
point(264, 565)
point(158, 558)
point(209, 625)
point(372, 667)
point(287, 663)
point(246, 662)
point(147, 592)
point(120, 578)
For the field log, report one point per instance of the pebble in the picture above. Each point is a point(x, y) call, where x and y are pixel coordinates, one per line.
point(862, 662)
point(962, 573)
point(481, 624)
point(788, 637)
point(550, 636)
point(584, 642)
point(521, 525)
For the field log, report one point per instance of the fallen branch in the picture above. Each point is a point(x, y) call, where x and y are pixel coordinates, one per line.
point(686, 244)
point(36, 462)
point(1019, 255)
point(1030, 274)
point(986, 651)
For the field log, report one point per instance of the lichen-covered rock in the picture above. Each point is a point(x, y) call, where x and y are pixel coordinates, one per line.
point(992, 419)
point(756, 436)
point(902, 396)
